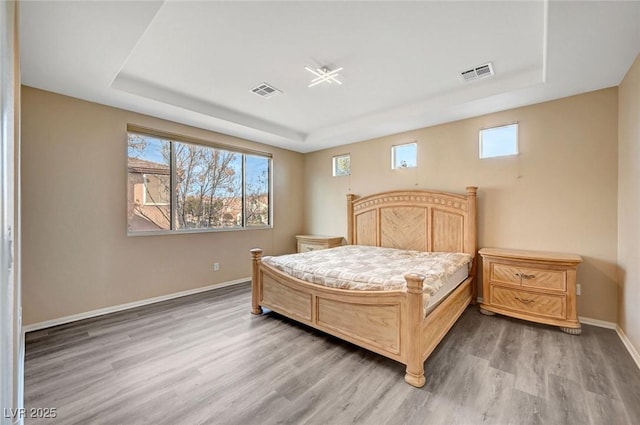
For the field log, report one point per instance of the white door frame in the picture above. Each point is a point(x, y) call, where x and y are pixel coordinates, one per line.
point(11, 336)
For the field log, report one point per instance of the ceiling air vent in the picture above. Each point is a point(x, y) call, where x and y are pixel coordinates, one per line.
point(265, 90)
point(478, 72)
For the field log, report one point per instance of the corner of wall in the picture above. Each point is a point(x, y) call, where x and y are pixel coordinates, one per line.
point(629, 205)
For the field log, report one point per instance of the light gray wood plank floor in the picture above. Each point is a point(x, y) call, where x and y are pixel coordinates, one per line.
point(204, 359)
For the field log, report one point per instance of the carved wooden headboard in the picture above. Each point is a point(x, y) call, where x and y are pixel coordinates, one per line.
point(420, 220)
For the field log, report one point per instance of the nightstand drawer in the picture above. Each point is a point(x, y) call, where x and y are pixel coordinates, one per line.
point(540, 304)
point(529, 277)
point(306, 247)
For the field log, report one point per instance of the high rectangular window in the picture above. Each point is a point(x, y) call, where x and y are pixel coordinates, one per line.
point(499, 141)
point(404, 156)
point(342, 165)
point(176, 185)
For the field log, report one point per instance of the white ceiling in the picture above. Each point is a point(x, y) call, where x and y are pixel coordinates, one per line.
point(196, 62)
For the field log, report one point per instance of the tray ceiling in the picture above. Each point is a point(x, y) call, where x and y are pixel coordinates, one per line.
point(197, 62)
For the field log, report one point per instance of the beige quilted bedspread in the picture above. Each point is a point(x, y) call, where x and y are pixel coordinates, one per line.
point(370, 268)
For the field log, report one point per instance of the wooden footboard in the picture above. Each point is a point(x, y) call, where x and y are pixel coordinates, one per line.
point(370, 319)
point(390, 323)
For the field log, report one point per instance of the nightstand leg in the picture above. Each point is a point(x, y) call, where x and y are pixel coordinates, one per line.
point(571, 331)
point(486, 312)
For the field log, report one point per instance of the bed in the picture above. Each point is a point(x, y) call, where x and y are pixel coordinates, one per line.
point(389, 322)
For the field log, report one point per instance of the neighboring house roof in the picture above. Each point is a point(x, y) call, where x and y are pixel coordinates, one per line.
point(137, 165)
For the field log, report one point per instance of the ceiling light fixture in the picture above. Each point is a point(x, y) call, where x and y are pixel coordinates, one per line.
point(323, 75)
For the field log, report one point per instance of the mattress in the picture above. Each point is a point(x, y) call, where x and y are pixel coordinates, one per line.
point(369, 268)
point(448, 287)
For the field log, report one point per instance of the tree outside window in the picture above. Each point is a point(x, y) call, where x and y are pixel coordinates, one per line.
point(212, 188)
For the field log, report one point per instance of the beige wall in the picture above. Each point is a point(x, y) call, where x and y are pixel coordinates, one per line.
point(629, 204)
point(76, 253)
point(558, 194)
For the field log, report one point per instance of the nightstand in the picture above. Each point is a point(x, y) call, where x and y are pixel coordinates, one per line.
point(531, 285)
point(314, 242)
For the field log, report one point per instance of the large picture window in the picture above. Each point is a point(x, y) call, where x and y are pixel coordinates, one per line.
point(181, 185)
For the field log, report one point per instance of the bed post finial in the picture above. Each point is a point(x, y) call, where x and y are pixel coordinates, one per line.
point(415, 313)
point(472, 239)
point(350, 198)
point(256, 281)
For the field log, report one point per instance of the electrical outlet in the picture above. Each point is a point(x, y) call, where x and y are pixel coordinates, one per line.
point(578, 289)
point(216, 267)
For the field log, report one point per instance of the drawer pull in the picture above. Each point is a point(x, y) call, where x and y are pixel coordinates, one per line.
point(525, 276)
point(525, 301)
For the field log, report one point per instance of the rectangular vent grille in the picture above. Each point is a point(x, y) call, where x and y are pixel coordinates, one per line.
point(265, 90)
point(478, 72)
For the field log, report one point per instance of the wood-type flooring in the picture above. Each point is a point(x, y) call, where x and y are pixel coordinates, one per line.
point(204, 359)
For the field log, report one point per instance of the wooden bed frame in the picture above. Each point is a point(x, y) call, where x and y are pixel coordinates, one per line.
point(390, 323)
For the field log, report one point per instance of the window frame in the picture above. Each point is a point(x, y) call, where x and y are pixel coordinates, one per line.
point(175, 138)
point(393, 155)
point(517, 141)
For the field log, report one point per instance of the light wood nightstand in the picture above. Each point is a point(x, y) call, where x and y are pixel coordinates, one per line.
point(531, 285)
point(314, 242)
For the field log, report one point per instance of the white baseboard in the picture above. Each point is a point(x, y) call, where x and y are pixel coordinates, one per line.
point(630, 348)
point(121, 307)
point(598, 323)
